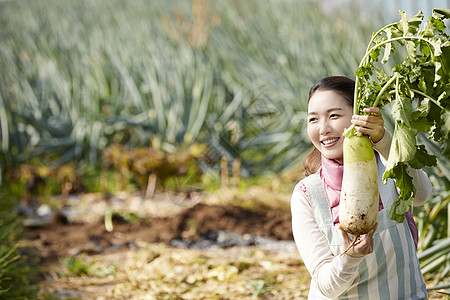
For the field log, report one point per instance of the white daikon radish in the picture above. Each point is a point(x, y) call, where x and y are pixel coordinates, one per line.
point(358, 208)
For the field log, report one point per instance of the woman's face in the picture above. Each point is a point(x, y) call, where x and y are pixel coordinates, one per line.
point(328, 116)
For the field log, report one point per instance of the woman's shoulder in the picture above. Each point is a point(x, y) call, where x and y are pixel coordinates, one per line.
point(311, 178)
point(302, 186)
point(300, 193)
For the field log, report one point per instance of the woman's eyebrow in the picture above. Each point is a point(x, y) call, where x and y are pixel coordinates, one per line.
point(327, 111)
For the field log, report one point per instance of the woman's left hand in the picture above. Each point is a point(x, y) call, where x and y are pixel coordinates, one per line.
point(371, 124)
point(363, 246)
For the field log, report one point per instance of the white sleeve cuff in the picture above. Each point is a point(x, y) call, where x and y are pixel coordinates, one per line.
point(383, 146)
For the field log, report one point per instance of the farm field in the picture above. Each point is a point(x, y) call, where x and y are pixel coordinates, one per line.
point(79, 259)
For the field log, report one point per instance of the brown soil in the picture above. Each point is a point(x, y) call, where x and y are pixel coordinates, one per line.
point(60, 239)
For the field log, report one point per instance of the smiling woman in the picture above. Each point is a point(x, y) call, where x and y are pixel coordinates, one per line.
point(340, 88)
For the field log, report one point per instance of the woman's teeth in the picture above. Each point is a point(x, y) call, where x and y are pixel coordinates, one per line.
point(326, 142)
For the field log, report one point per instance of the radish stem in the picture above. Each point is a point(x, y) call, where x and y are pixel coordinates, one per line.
point(383, 90)
point(431, 98)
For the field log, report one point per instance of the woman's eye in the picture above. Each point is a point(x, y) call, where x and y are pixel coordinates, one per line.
point(312, 120)
point(334, 116)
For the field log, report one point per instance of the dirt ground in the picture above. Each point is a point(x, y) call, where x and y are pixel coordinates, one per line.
point(141, 264)
point(61, 238)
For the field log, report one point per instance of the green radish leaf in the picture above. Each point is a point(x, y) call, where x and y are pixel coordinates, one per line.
point(423, 108)
point(420, 123)
point(403, 24)
point(387, 53)
point(407, 190)
point(422, 84)
point(398, 209)
point(411, 50)
point(428, 30)
point(445, 133)
point(403, 180)
point(414, 23)
point(437, 47)
point(388, 49)
point(444, 97)
point(403, 147)
point(374, 54)
point(441, 13)
point(422, 158)
point(446, 150)
point(411, 25)
point(425, 47)
point(402, 110)
point(445, 61)
point(382, 76)
point(438, 24)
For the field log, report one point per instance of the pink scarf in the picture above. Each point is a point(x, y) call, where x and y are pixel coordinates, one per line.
point(331, 173)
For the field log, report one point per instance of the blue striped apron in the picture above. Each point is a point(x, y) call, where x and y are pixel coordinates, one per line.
point(392, 270)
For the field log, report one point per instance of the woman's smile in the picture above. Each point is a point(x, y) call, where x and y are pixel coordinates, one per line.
point(329, 142)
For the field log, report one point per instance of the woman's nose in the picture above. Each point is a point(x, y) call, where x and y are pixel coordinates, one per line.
point(324, 127)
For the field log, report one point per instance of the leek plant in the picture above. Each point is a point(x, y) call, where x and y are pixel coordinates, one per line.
point(79, 76)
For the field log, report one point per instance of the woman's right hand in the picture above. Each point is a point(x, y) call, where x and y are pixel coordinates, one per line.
point(363, 246)
point(371, 124)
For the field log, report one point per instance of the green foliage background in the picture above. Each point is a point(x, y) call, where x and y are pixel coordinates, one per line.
point(79, 76)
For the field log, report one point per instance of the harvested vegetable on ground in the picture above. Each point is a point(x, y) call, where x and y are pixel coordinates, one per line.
point(418, 90)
